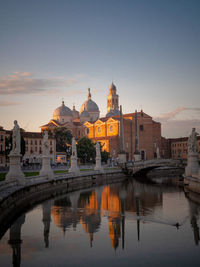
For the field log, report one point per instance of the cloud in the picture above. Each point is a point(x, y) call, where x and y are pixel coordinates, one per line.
point(180, 121)
point(173, 114)
point(8, 103)
point(20, 83)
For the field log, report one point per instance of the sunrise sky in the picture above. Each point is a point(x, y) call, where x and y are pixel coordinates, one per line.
point(51, 50)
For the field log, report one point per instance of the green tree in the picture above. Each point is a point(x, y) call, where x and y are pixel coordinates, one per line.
point(63, 137)
point(105, 156)
point(86, 149)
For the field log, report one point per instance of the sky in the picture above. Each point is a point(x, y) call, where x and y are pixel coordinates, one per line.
point(56, 49)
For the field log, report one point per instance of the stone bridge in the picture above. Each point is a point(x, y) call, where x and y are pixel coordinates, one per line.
point(142, 167)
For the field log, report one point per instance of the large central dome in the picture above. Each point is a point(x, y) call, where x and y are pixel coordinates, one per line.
point(63, 114)
point(91, 107)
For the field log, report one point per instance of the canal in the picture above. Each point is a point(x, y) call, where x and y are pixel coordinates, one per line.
point(124, 224)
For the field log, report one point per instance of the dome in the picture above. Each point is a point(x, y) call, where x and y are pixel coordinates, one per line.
point(84, 113)
point(114, 112)
point(84, 116)
point(89, 105)
point(75, 113)
point(62, 111)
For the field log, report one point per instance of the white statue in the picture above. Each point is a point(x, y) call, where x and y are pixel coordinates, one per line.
point(74, 151)
point(45, 144)
point(74, 166)
point(192, 142)
point(16, 139)
point(98, 152)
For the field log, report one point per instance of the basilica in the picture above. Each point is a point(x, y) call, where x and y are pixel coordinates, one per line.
point(106, 130)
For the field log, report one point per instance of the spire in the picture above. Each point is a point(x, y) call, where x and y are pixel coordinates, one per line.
point(73, 106)
point(89, 94)
point(63, 103)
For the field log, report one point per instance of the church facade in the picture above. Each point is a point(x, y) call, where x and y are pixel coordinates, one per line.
point(106, 130)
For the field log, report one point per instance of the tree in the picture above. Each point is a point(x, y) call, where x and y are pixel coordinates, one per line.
point(105, 156)
point(63, 138)
point(86, 150)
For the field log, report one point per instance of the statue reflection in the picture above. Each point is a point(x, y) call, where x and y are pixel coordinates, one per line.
point(194, 215)
point(15, 240)
point(46, 208)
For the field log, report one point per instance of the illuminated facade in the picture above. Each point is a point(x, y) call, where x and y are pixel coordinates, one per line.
point(106, 130)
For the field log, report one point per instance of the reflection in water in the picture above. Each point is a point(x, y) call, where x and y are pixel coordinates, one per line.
point(46, 208)
point(15, 240)
point(120, 203)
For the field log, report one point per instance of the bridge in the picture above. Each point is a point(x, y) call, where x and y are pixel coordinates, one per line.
point(144, 166)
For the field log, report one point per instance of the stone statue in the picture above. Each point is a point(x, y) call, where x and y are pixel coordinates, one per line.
point(74, 151)
point(16, 139)
point(192, 142)
point(98, 152)
point(45, 144)
point(74, 166)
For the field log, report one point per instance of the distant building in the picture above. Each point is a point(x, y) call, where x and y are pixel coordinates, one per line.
point(33, 153)
point(33, 146)
point(179, 148)
point(107, 132)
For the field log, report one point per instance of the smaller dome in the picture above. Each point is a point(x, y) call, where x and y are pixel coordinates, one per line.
point(62, 111)
point(114, 112)
point(84, 113)
point(75, 113)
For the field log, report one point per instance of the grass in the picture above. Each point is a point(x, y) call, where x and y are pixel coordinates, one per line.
point(28, 174)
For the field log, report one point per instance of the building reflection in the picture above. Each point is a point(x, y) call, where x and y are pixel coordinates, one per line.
point(87, 208)
point(15, 240)
point(64, 212)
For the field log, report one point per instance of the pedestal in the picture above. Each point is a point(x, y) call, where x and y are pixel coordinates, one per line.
point(192, 164)
point(98, 166)
point(15, 171)
point(121, 158)
point(46, 167)
point(137, 157)
point(74, 167)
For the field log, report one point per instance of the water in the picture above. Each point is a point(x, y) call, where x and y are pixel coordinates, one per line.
point(127, 224)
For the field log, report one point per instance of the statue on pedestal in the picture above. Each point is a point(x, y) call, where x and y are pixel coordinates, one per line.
point(192, 167)
point(192, 142)
point(98, 152)
point(74, 166)
point(45, 144)
point(98, 166)
point(15, 172)
point(46, 159)
point(16, 139)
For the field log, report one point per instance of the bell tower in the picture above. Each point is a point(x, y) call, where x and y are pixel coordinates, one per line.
point(112, 99)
